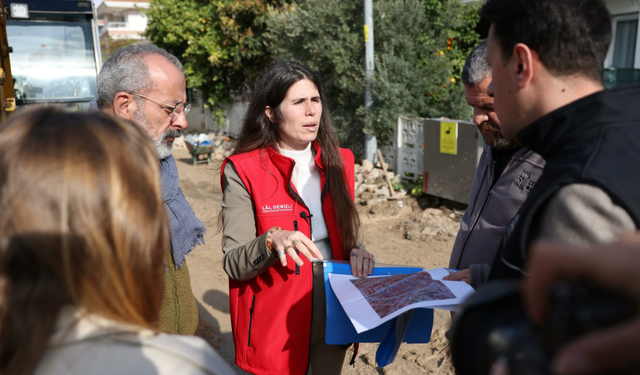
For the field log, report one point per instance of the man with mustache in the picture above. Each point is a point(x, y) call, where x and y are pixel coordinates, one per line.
point(506, 173)
point(145, 85)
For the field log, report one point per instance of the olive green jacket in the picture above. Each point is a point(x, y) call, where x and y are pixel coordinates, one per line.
point(179, 311)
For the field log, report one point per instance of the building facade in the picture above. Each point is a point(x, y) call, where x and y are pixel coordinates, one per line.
point(622, 65)
point(122, 19)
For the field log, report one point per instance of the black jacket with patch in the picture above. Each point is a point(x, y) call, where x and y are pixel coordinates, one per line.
point(594, 140)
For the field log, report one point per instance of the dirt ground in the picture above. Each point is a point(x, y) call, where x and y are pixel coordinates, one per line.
point(383, 236)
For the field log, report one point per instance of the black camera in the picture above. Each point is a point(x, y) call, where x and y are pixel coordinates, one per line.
point(493, 324)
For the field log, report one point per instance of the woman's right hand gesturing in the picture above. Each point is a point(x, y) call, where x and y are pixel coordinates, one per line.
point(285, 242)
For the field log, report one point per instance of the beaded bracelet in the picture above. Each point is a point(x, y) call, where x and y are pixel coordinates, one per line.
point(269, 238)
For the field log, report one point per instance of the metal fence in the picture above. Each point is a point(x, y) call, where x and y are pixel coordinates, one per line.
point(405, 154)
point(116, 25)
point(408, 148)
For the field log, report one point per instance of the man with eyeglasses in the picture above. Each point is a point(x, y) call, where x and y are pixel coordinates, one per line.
point(145, 85)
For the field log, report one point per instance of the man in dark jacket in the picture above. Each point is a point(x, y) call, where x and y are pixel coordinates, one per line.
point(145, 85)
point(547, 59)
point(506, 173)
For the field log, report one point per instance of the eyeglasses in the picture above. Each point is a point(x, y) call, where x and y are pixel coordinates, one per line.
point(176, 110)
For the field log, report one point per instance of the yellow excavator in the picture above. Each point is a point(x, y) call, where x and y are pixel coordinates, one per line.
point(50, 54)
point(7, 95)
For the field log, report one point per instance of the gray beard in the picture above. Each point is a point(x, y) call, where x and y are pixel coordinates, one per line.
point(163, 149)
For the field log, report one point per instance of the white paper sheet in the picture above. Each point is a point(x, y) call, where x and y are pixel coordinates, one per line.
point(372, 301)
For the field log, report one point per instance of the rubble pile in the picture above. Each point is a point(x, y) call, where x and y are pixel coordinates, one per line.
point(225, 148)
point(374, 184)
point(438, 224)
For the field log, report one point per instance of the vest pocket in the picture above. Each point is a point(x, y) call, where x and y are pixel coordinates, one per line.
point(253, 302)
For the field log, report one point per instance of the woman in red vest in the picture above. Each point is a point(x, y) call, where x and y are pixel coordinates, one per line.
point(287, 204)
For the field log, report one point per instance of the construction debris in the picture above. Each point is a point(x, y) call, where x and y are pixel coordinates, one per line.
point(374, 184)
point(438, 224)
point(226, 147)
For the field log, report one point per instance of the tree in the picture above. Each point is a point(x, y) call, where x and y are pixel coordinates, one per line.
point(109, 44)
point(220, 42)
point(415, 73)
point(451, 37)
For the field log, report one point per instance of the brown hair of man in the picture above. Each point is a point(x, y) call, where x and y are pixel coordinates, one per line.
point(82, 223)
point(571, 37)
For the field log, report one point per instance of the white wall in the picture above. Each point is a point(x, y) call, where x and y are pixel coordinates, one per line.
point(136, 20)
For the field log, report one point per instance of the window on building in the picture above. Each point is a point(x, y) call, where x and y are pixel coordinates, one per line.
point(117, 18)
point(624, 47)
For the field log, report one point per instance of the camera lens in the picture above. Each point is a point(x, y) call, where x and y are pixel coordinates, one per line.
point(492, 324)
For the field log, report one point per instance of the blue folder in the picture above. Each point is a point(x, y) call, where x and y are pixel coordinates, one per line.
point(413, 327)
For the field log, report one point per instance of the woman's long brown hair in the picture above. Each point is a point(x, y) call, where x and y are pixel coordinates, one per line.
point(258, 132)
point(82, 223)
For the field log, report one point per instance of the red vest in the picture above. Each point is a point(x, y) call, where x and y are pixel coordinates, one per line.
point(271, 313)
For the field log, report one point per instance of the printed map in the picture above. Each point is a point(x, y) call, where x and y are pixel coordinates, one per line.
point(389, 294)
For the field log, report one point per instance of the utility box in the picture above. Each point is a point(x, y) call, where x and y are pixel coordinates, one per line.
point(452, 150)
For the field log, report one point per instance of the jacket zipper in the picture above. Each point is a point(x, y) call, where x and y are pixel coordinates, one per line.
point(295, 227)
point(484, 204)
point(253, 301)
point(475, 220)
point(323, 193)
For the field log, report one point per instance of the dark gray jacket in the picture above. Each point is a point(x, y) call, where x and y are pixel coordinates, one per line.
point(491, 209)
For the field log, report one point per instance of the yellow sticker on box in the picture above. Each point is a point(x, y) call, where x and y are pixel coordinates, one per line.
point(449, 138)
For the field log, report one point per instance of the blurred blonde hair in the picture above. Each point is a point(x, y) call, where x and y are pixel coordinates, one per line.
point(82, 222)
